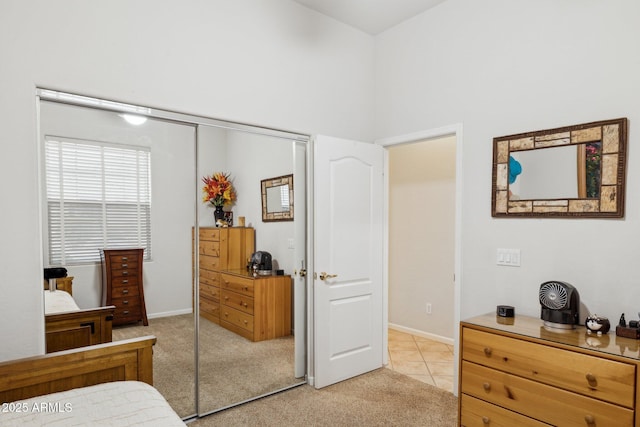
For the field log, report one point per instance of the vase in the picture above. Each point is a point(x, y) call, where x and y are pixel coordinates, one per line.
point(218, 214)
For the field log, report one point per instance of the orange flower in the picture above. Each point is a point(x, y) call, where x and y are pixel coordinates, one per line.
point(218, 189)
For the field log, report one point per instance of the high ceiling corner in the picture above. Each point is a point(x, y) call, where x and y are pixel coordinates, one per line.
point(370, 16)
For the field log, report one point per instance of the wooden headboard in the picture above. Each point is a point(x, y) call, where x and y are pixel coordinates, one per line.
point(63, 283)
point(116, 361)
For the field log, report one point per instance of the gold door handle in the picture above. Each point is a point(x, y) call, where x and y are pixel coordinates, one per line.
point(324, 276)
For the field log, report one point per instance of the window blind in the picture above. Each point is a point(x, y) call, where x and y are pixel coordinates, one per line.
point(98, 196)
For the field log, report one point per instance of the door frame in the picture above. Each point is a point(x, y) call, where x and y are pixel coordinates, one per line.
point(445, 131)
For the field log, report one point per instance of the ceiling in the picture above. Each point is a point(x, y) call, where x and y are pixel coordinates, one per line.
point(370, 16)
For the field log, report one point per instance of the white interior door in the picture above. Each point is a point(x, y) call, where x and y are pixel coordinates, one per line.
point(348, 276)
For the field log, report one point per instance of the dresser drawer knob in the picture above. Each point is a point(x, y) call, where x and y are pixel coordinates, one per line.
point(485, 420)
point(245, 322)
point(487, 351)
point(125, 265)
point(124, 258)
point(125, 291)
point(125, 312)
point(592, 379)
point(245, 304)
point(590, 419)
point(125, 273)
point(246, 288)
point(125, 302)
point(486, 386)
point(226, 298)
point(125, 281)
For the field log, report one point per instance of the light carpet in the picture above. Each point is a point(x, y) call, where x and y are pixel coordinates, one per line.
point(379, 398)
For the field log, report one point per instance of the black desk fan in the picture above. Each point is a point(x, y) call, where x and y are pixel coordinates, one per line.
point(560, 304)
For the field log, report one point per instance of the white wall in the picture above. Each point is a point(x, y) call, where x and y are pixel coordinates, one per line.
point(501, 67)
point(271, 63)
point(421, 235)
point(255, 158)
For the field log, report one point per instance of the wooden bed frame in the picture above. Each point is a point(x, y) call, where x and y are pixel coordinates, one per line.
point(80, 328)
point(117, 361)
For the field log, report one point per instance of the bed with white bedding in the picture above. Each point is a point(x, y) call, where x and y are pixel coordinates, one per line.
point(100, 385)
point(120, 403)
point(58, 302)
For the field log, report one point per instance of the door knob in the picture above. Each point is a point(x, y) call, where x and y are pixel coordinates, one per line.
point(324, 276)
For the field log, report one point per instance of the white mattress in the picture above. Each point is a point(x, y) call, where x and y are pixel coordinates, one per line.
point(58, 302)
point(120, 403)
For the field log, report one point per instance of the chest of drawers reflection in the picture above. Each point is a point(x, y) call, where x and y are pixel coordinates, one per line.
point(220, 249)
point(257, 308)
point(122, 285)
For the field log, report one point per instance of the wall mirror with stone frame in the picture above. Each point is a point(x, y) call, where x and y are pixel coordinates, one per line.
point(573, 171)
point(277, 198)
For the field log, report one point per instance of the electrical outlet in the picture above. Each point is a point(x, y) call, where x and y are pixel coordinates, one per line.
point(428, 308)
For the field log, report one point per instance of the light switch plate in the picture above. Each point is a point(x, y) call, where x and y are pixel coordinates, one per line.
point(508, 257)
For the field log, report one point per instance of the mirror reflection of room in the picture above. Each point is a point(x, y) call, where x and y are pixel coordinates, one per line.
point(248, 309)
point(234, 353)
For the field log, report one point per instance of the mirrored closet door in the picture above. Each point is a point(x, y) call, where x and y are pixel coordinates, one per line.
point(225, 332)
point(247, 326)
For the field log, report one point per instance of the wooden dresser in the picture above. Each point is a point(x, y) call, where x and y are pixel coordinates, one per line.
point(257, 308)
point(122, 285)
point(220, 249)
point(516, 372)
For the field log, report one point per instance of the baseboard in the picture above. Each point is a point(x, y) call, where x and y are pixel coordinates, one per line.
point(170, 313)
point(422, 334)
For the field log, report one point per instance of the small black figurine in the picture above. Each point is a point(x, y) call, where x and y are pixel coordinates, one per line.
point(622, 322)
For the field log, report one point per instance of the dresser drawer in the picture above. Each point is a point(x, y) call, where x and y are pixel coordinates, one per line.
point(124, 281)
point(124, 291)
point(237, 318)
point(126, 314)
point(208, 291)
point(130, 302)
point(478, 413)
point(238, 284)
point(209, 234)
point(545, 403)
point(121, 257)
point(592, 376)
point(238, 301)
point(210, 248)
point(209, 308)
point(124, 272)
point(209, 262)
point(210, 277)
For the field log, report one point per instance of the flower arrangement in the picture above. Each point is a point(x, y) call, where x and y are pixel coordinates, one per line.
point(218, 189)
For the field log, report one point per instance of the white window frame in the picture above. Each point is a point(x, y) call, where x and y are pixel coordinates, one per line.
point(110, 187)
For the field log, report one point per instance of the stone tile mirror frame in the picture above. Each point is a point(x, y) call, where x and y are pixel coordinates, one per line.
point(611, 138)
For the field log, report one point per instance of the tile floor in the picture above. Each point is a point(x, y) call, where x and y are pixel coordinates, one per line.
point(421, 358)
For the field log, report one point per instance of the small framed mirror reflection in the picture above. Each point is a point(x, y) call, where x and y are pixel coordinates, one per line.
point(574, 171)
point(277, 198)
